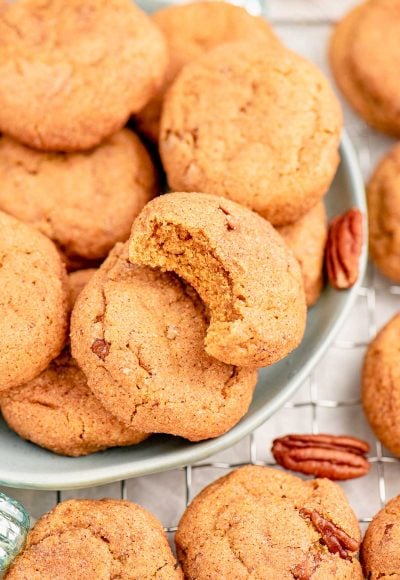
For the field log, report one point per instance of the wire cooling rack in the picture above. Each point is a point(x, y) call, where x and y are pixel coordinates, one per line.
point(329, 400)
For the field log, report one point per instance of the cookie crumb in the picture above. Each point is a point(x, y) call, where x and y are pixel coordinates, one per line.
point(172, 332)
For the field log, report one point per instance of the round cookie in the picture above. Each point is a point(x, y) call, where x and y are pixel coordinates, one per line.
point(381, 385)
point(72, 73)
point(138, 334)
point(239, 265)
point(307, 238)
point(96, 540)
point(255, 123)
point(190, 30)
point(363, 73)
point(84, 202)
point(33, 302)
point(380, 550)
point(58, 411)
point(259, 522)
point(383, 195)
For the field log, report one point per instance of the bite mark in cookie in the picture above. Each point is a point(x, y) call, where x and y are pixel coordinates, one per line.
point(239, 265)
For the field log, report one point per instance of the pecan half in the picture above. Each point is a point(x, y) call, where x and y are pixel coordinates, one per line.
point(101, 348)
point(343, 249)
point(335, 539)
point(328, 456)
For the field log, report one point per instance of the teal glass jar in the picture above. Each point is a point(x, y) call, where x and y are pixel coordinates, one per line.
point(14, 527)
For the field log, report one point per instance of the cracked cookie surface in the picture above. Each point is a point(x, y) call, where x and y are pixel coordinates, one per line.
point(381, 385)
point(383, 196)
point(363, 73)
point(262, 523)
point(58, 411)
point(239, 265)
point(190, 30)
point(138, 334)
point(307, 238)
point(84, 202)
point(96, 540)
point(255, 123)
point(380, 551)
point(72, 73)
point(33, 302)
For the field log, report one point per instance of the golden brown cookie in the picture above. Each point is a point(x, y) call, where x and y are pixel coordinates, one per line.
point(71, 73)
point(84, 202)
point(96, 540)
point(138, 334)
point(261, 523)
point(190, 30)
point(254, 123)
point(364, 52)
point(239, 265)
point(33, 302)
point(381, 385)
point(307, 238)
point(58, 411)
point(380, 550)
point(383, 195)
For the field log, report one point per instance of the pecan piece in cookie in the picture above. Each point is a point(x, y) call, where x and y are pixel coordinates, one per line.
point(330, 456)
point(335, 539)
point(101, 348)
point(256, 523)
point(343, 249)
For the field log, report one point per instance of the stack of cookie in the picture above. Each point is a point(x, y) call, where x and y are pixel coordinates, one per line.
point(168, 333)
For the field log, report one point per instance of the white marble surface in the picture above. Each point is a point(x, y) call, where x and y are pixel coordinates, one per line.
point(329, 401)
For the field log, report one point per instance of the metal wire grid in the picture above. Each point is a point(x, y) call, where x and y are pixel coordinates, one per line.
point(361, 137)
point(314, 403)
point(368, 292)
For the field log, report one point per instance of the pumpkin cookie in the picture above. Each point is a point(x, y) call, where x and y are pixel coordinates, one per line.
point(363, 73)
point(138, 334)
point(96, 540)
point(255, 123)
point(84, 202)
point(33, 302)
point(71, 73)
point(238, 264)
point(307, 238)
point(190, 30)
point(380, 550)
point(383, 195)
point(58, 411)
point(260, 523)
point(381, 385)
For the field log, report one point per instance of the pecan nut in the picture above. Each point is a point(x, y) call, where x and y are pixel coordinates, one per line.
point(343, 249)
point(330, 456)
point(100, 348)
point(335, 539)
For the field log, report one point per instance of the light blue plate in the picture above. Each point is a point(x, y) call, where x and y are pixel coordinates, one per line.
point(25, 465)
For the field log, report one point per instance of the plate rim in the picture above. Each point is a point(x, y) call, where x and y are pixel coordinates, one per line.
point(202, 450)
